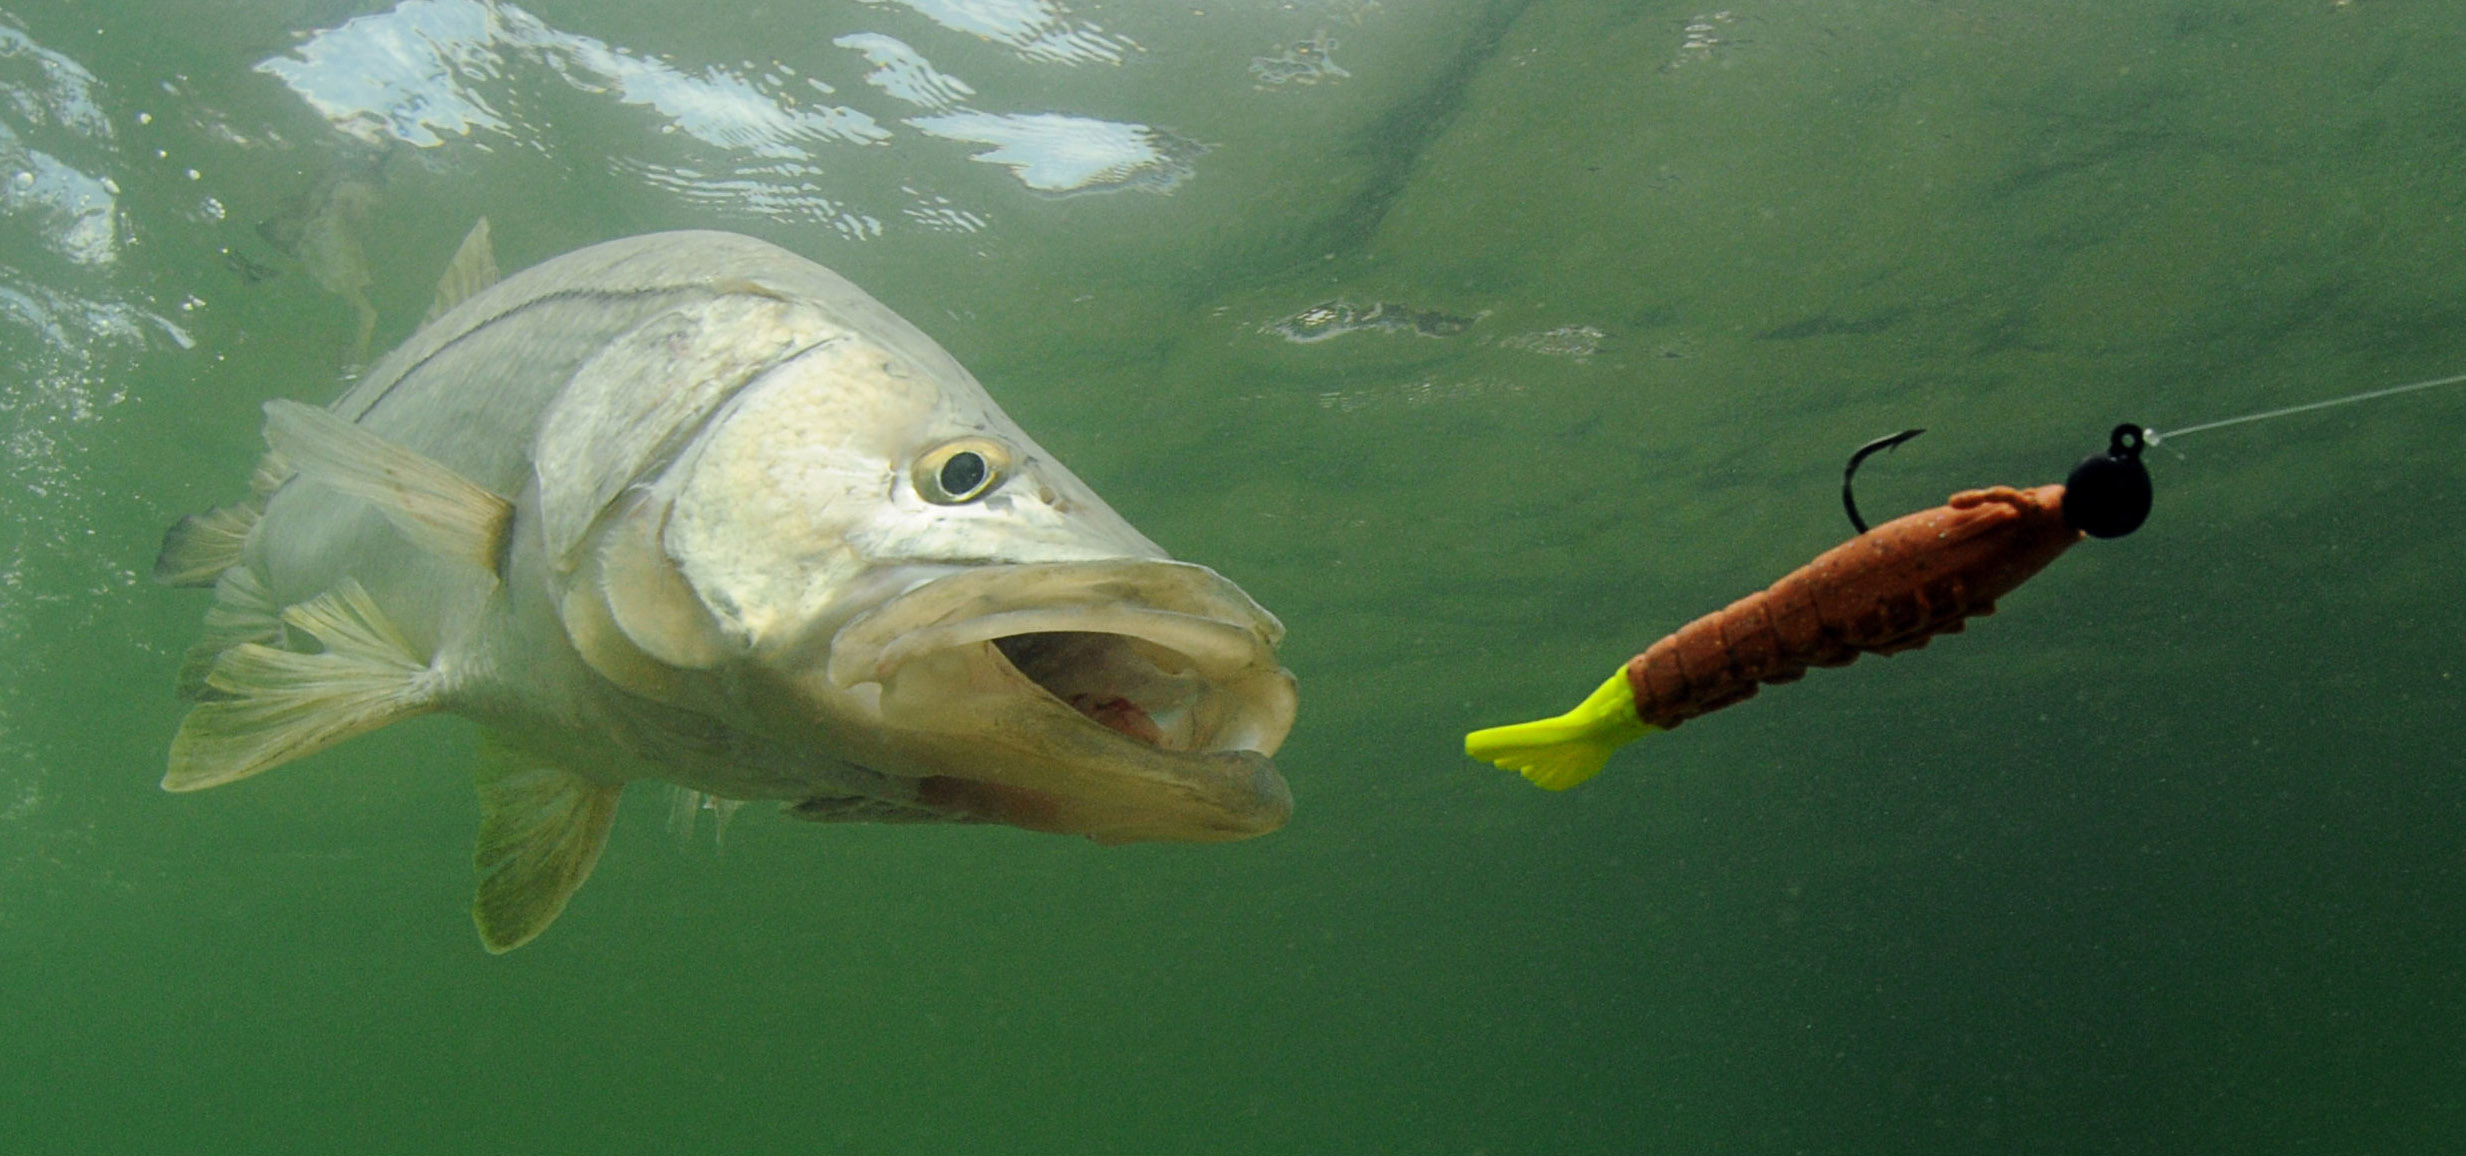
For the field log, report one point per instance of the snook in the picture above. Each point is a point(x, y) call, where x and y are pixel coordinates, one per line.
point(690, 507)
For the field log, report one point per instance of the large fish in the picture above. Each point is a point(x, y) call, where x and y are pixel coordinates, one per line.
point(690, 507)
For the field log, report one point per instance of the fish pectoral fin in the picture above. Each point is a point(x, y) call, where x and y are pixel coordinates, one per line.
point(541, 831)
point(439, 510)
point(243, 613)
point(473, 268)
point(271, 705)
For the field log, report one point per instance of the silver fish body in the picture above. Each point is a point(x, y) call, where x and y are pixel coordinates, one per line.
point(689, 507)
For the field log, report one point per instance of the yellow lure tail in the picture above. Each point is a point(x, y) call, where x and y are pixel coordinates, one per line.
point(1557, 753)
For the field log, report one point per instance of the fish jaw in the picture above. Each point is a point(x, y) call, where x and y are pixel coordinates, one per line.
point(1127, 700)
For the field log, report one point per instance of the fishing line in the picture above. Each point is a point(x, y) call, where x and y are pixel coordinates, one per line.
point(2155, 437)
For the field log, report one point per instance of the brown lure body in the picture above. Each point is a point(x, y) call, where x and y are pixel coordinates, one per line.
point(1885, 591)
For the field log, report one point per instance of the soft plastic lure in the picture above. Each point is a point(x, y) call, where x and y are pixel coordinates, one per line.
point(1887, 590)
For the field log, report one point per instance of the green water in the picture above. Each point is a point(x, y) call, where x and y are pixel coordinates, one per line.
point(2168, 856)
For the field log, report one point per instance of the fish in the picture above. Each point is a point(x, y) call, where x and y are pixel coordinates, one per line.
point(690, 507)
point(320, 228)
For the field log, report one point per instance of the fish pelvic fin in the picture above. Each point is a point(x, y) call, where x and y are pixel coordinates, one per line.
point(542, 828)
point(266, 706)
point(199, 548)
point(243, 613)
point(439, 510)
point(1558, 753)
point(473, 268)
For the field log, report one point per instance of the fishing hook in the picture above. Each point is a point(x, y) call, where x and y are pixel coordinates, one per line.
point(1849, 500)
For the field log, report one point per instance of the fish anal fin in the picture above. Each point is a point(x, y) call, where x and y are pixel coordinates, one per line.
point(542, 828)
point(199, 547)
point(473, 268)
point(439, 510)
point(271, 706)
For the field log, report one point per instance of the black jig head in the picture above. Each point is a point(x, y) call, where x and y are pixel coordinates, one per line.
point(2108, 494)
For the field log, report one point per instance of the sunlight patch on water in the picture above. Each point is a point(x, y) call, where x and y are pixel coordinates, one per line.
point(937, 212)
point(1054, 153)
point(1033, 28)
point(903, 72)
point(44, 88)
point(72, 212)
point(747, 140)
point(399, 74)
point(417, 73)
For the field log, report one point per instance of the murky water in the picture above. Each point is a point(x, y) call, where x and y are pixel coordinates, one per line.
point(1484, 342)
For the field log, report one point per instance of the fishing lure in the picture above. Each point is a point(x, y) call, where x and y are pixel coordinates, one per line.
point(1887, 590)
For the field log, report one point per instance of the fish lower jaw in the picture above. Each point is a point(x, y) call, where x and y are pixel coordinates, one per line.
point(1104, 735)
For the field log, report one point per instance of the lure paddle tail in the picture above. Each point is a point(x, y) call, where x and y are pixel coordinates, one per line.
point(1557, 753)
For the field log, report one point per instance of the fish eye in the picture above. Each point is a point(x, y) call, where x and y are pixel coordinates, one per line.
point(961, 471)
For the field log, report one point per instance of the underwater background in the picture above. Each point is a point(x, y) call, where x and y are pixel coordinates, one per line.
point(1482, 340)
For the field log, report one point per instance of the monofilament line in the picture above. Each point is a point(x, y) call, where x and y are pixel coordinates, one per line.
point(2156, 437)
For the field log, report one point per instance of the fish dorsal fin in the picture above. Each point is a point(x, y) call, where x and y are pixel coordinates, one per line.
point(643, 396)
point(198, 548)
point(473, 268)
point(541, 831)
point(271, 706)
point(439, 510)
point(243, 612)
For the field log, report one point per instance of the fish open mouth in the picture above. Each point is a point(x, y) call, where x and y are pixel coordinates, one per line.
point(1144, 694)
point(1145, 691)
